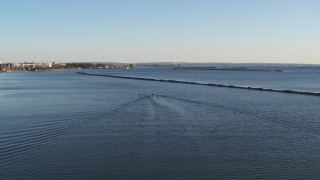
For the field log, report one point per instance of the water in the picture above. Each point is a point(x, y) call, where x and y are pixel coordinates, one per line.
point(292, 78)
point(62, 125)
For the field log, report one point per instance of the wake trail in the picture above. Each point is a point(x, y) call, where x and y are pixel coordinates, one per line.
point(15, 144)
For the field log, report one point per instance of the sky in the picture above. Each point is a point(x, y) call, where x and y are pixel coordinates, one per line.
point(233, 31)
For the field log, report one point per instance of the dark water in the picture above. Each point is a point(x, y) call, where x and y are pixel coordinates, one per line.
point(62, 125)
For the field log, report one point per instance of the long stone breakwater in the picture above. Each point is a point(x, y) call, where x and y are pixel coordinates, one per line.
point(205, 84)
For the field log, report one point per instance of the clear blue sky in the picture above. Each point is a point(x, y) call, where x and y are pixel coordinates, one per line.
point(160, 30)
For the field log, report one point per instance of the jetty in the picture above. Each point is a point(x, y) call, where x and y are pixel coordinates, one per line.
point(205, 84)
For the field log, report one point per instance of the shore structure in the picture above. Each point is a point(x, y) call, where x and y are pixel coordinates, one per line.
point(206, 84)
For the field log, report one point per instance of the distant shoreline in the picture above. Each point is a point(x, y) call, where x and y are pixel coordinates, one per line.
point(226, 69)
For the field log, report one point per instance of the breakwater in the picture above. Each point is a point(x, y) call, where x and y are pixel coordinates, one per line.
point(227, 69)
point(206, 84)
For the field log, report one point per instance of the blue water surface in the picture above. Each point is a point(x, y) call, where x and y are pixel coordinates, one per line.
point(64, 125)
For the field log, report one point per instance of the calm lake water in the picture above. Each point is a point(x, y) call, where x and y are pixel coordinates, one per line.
point(63, 125)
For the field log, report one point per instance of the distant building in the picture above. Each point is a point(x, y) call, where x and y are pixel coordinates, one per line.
point(27, 64)
point(50, 64)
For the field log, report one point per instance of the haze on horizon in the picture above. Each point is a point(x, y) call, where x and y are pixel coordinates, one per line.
point(246, 31)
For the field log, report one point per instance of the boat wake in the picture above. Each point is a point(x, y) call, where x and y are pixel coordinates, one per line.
point(14, 144)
